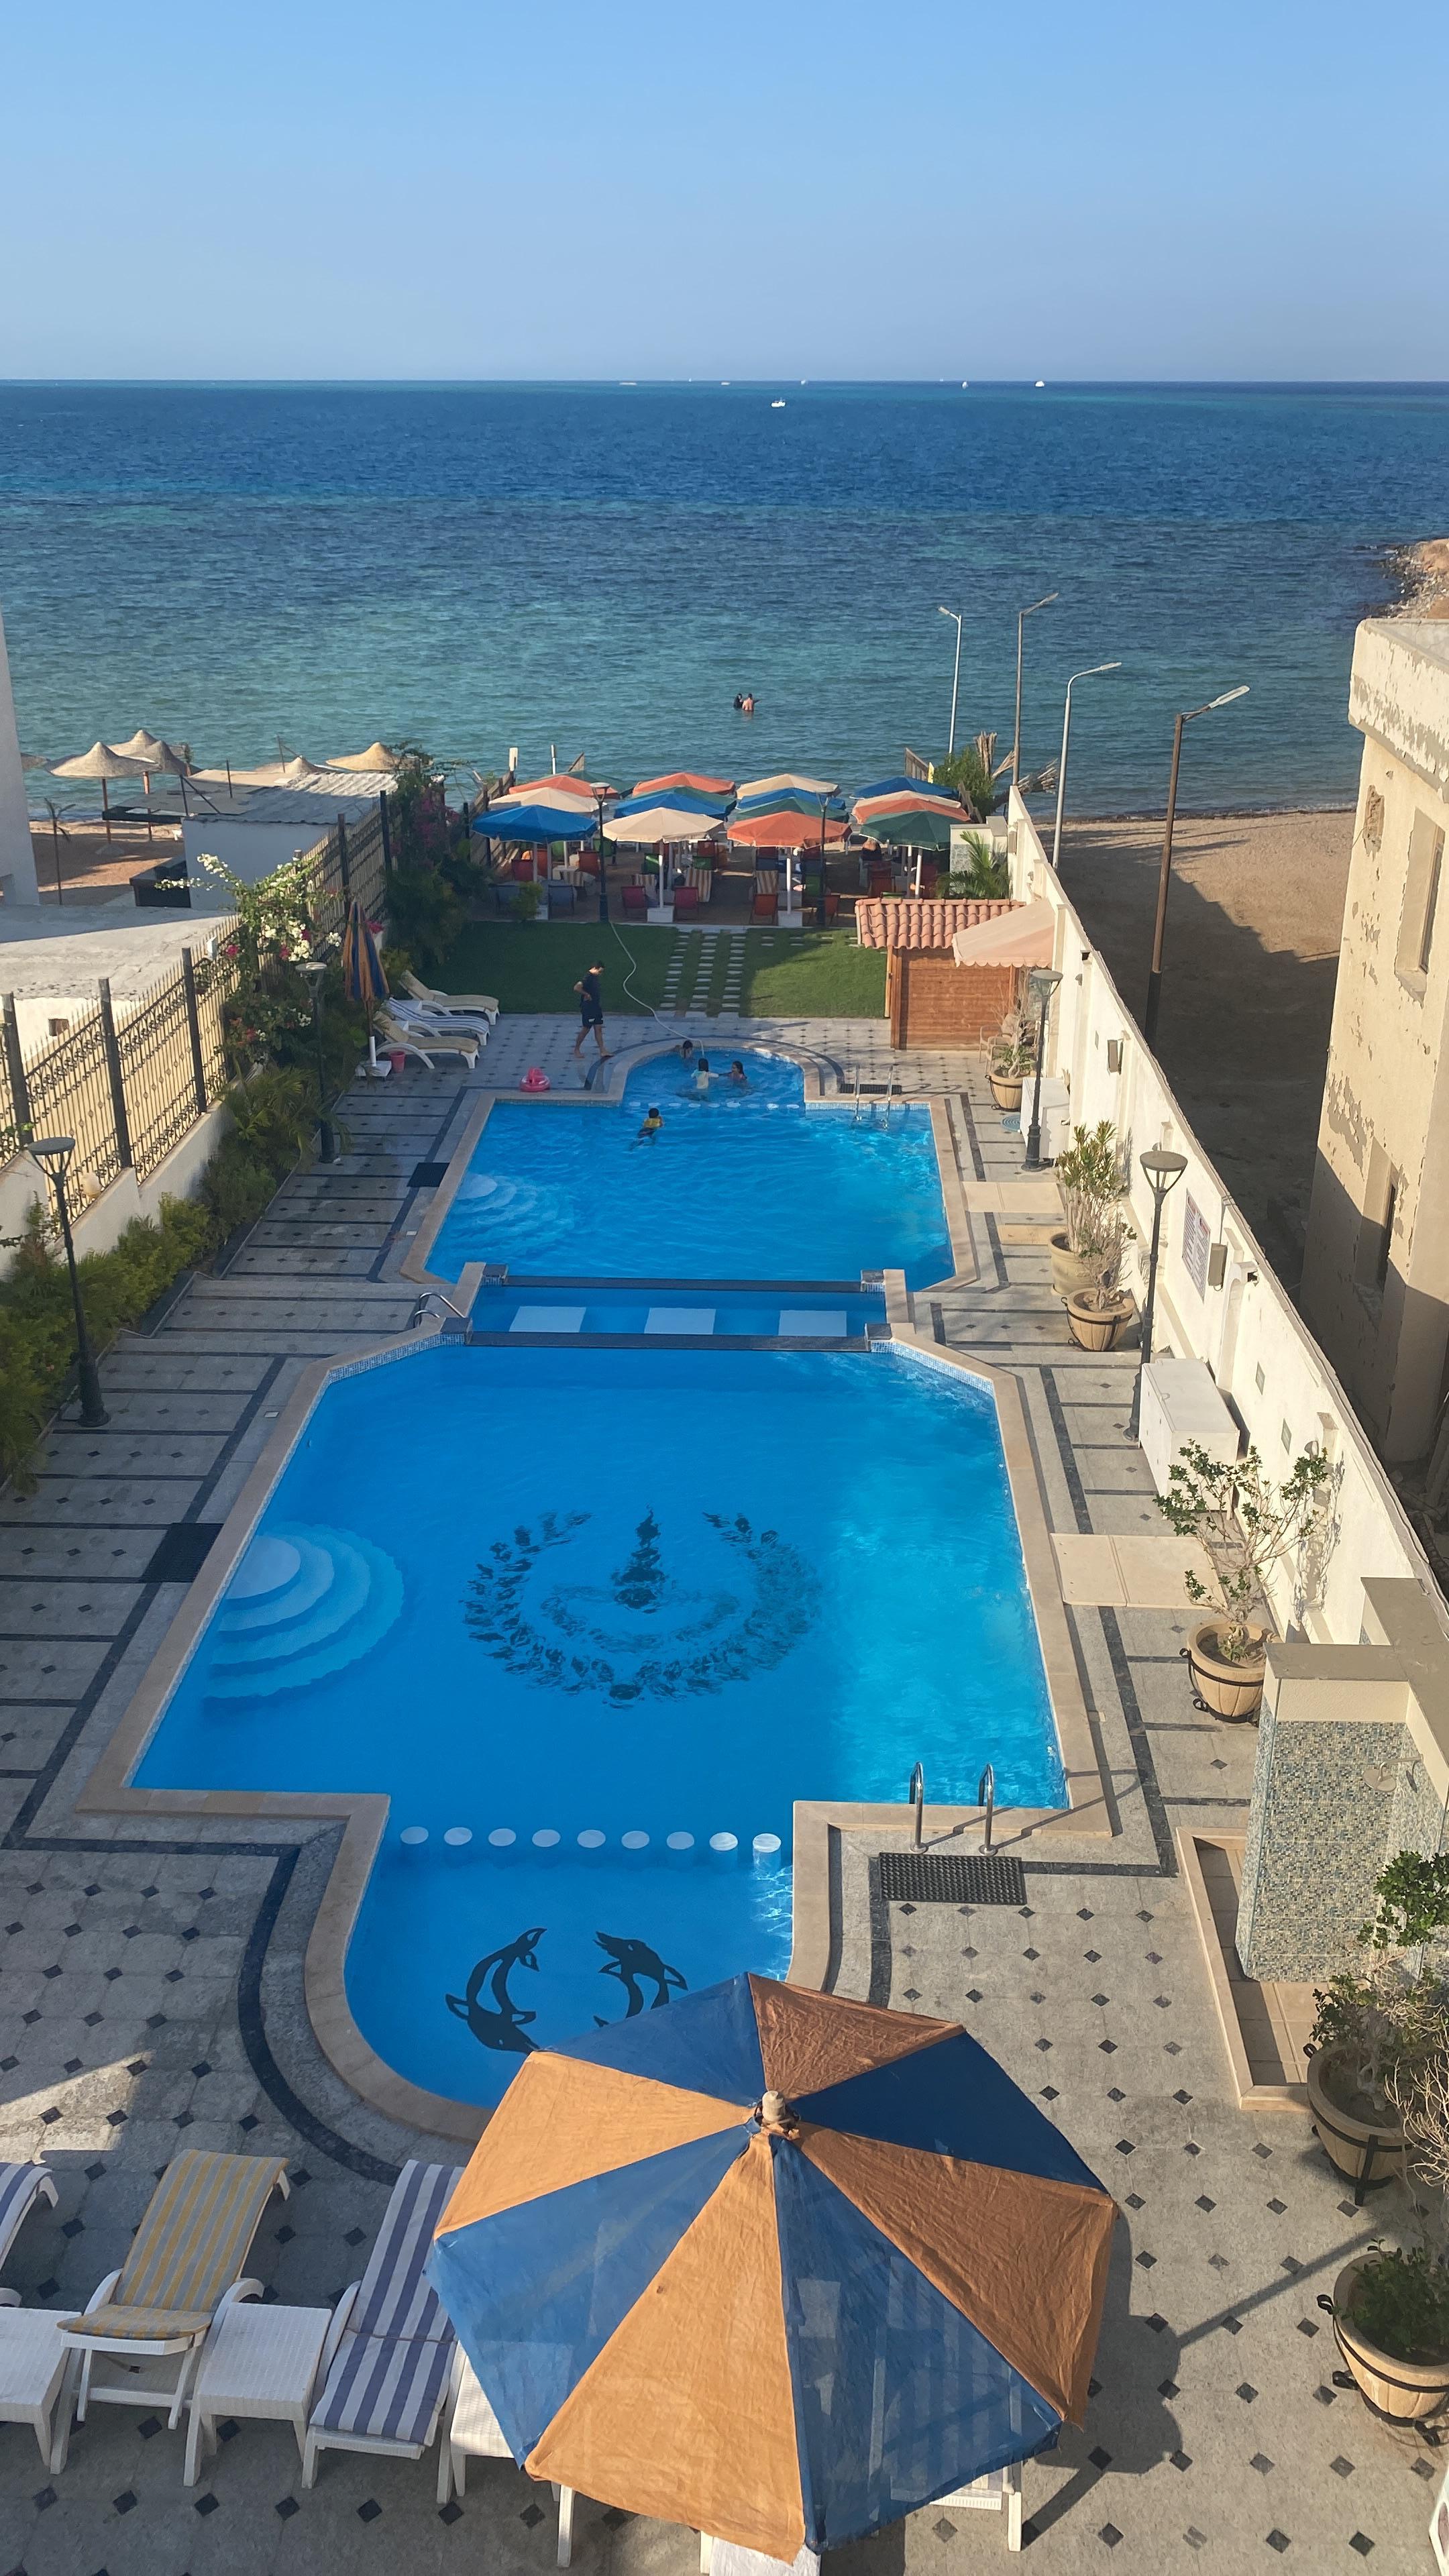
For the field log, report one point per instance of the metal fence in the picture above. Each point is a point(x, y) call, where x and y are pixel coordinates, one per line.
point(128, 1090)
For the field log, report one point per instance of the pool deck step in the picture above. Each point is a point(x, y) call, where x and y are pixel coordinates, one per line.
point(1265, 2025)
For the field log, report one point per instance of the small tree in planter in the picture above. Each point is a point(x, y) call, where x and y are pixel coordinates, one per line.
point(1091, 1180)
point(1013, 1059)
point(1097, 1312)
point(1245, 1522)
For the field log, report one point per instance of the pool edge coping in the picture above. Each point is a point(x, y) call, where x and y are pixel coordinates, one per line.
point(107, 1789)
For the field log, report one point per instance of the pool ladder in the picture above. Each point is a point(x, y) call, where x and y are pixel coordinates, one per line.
point(886, 1106)
point(985, 1799)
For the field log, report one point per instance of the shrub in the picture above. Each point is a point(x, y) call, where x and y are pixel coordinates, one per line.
point(1401, 2303)
point(425, 914)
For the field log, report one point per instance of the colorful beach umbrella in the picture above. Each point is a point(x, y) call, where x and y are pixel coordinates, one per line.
point(774, 2265)
point(783, 783)
point(537, 819)
point(649, 824)
point(692, 800)
point(783, 827)
point(363, 979)
point(900, 784)
point(920, 827)
point(685, 778)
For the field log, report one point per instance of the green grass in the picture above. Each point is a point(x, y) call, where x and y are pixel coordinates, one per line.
point(812, 974)
point(789, 974)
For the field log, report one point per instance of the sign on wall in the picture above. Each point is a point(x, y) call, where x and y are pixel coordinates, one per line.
point(1195, 1242)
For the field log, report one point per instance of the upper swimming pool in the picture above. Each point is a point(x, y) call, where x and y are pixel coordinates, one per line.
point(594, 1620)
point(739, 1184)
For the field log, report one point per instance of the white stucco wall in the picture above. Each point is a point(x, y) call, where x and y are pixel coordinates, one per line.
point(1248, 1331)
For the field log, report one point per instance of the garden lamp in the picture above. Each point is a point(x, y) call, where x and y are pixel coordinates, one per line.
point(1164, 1170)
point(1041, 983)
point(52, 1154)
point(316, 973)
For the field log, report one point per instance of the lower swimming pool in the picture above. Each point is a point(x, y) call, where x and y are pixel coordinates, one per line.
point(594, 1619)
point(748, 1183)
point(791, 1314)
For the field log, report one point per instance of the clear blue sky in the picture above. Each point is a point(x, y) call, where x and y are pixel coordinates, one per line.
point(657, 188)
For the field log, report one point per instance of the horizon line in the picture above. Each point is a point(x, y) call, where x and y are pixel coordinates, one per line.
point(729, 384)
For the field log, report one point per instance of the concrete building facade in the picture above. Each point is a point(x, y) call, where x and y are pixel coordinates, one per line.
point(1375, 1286)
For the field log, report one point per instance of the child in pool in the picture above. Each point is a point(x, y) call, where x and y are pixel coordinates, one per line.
point(701, 1078)
point(651, 1127)
point(738, 1076)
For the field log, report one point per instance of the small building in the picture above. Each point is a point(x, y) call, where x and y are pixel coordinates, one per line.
point(1375, 1285)
point(930, 1000)
point(261, 828)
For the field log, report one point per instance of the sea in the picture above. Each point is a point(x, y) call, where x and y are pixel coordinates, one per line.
point(596, 571)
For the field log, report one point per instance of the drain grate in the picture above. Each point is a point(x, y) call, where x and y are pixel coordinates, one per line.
point(951, 1878)
point(181, 1552)
point(427, 1176)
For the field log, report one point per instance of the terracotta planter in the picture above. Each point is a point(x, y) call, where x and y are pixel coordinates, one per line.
point(1367, 2150)
point(1406, 2392)
point(1070, 1273)
point(1095, 1328)
point(1006, 1089)
point(1232, 1691)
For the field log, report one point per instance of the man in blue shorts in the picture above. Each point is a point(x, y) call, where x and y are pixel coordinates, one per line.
point(591, 1009)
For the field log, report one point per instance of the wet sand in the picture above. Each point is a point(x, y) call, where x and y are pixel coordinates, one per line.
point(1249, 964)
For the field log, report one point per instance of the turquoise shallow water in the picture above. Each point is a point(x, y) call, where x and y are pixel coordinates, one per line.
point(604, 567)
point(745, 1184)
point(612, 1594)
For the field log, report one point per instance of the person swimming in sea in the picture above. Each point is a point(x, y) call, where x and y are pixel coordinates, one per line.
point(653, 1124)
point(738, 1076)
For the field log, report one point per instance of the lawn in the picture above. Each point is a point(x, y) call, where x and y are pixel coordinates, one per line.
point(789, 974)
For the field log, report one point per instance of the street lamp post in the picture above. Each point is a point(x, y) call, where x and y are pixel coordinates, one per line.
point(601, 801)
point(1164, 878)
point(1043, 982)
point(958, 614)
point(316, 974)
point(820, 912)
point(52, 1154)
point(1022, 615)
point(1066, 739)
point(1164, 1170)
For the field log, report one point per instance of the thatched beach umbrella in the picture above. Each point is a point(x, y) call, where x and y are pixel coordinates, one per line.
point(99, 762)
point(376, 756)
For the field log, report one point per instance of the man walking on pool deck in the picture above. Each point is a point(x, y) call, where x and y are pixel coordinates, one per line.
point(591, 1009)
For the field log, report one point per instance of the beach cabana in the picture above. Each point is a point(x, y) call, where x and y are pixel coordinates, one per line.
point(774, 2265)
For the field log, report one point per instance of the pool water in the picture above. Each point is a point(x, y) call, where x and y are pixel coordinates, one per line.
point(749, 1184)
point(634, 1602)
point(582, 1306)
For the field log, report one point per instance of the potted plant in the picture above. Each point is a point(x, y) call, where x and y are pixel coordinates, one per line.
point(1013, 1060)
point(1089, 1176)
point(1376, 2036)
point(527, 901)
point(1097, 1313)
point(1390, 2316)
point(1245, 1522)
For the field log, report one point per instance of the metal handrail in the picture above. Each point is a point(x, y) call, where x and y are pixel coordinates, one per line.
point(855, 1115)
point(986, 1797)
point(428, 1298)
point(916, 1799)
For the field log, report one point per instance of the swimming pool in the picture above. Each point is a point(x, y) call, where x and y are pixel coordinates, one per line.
point(750, 1184)
point(791, 1313)
point(601, 1616)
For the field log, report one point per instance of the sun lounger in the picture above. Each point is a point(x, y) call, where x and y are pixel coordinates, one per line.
point(22, 2188)
point(430, 996)
point(472, 2431)
point(386, 2374)
point(141, 2335)
point(33, 2360)
point(426, 1043)
point(998, 2492)
point(426, 1015)
point(259, 2362)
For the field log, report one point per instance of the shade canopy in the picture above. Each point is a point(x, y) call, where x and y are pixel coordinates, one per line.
point(562, 782)
point(101, 761)
point(921, 828)
point(376, 756)
point(784, 800)
point(650, 824)
point(566, 820)
point(695, 778)
point(781, 783)
point(783, 828)
point(1021, 937)
point(689, 800)
point(908, 800)
point(147, 748)
point(775, 2265)
point(902, 784)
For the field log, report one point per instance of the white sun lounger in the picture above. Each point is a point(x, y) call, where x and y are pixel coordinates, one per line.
point(472, 2431)
point(426, 1042)
point(429, 994)
point(426, 1015)
point(389, 2355)
point(33, 2359)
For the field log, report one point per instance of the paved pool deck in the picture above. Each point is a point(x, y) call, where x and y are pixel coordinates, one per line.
point(152, 1993)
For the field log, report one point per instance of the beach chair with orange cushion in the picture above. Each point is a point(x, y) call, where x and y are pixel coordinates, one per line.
point(766, 905)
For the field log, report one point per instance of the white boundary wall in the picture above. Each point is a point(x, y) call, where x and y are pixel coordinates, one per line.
point(1247, 1330)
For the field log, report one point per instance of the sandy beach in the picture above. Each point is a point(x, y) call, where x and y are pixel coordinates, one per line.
point(1249, 967)
point(92, 867)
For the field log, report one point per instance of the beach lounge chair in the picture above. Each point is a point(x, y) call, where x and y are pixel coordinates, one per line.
point(471, 2431)
point(998, 2492)
point(432, 999)
point(426, 1042)
point(33, 2360)
point(686, 901)
point(426, 1015)
point(389, 2357)
point(766, 906)
point(636, 901)
point(561, 898)
point(141, 2335)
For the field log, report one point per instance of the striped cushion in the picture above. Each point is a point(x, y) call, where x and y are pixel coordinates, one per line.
point(140, 2325)
point(192, 2242)
point(395, 2297)
point(387, 2388)
point(19, 2185)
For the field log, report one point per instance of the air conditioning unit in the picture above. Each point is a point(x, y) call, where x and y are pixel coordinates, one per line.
point(1181, 1402)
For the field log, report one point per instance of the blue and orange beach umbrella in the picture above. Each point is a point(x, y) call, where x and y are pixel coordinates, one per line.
point(774, 2265)
point(362, 977)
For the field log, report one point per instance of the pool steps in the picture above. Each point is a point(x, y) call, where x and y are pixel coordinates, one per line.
point(305, 1602)
point(680, 1846)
